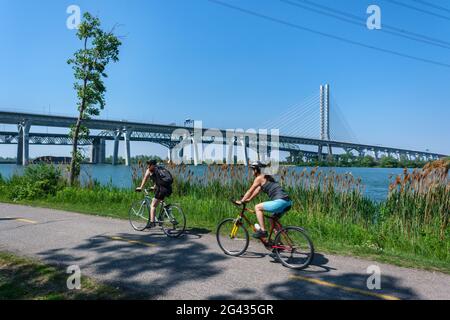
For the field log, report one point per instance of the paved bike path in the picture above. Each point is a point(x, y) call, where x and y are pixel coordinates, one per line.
point(193, 267)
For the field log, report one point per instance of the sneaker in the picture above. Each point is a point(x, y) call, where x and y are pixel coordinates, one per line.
point(260, 234)
point(274, 256)
point(151, 225)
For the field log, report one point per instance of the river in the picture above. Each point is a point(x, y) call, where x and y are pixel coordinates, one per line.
point(375, 180)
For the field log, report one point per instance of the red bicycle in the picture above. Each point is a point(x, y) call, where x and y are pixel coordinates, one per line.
point(292, 246)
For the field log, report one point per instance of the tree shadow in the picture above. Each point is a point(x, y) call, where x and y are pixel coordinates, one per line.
point(346, 286)
point(149, 264)
point(196, 232)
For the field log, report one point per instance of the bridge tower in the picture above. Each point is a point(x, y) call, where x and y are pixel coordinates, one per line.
point(325, 119)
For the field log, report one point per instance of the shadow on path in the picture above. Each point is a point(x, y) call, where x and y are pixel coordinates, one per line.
point(149, 264)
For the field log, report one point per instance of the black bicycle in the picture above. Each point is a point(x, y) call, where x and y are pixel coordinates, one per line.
point(170, 217)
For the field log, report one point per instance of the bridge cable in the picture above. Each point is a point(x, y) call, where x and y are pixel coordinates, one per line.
point(289, 112)
point(303, 124)
point(285, 122)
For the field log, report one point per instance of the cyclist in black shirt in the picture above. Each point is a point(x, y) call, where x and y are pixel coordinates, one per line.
point(162, 180)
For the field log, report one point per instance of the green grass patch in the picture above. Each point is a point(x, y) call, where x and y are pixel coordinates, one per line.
point(27, 279)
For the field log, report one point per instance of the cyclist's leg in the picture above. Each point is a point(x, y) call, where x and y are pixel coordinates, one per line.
point(259, 210)
point(276, 207)
point(155, 204)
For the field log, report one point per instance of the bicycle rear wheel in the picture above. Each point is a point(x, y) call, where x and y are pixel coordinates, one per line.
point(172, 221)
point(232, 237)
point(294, 248)
point(139, 215)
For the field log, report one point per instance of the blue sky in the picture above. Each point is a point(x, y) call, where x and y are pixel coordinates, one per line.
point(195, 59)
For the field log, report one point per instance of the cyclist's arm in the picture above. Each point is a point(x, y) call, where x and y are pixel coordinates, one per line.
point(145, 179)
point(254, 194)
point(248, 196)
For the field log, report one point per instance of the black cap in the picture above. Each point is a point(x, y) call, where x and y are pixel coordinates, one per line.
point(152, 162)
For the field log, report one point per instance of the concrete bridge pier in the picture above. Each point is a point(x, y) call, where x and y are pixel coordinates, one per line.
point(376, 155)
point(98, 151)
point(330, 153)
point(319, 152)
point(115, 157)
point(244, 142)
point(230, 145)
point(127, 136)
point(195, 153)
point(23, 145)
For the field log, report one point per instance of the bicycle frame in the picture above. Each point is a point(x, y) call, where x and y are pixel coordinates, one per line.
point(162, 204)
point(275, 225)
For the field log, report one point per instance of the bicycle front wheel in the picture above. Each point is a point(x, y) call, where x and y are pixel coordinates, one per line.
point(139, 215)
point(294, 248)
point(173, 221)
point(232, 237)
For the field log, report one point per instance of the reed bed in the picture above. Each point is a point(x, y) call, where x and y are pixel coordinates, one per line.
point(419, 201)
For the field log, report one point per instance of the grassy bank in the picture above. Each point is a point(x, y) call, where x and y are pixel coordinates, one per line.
point(409, 229)
point(24, 278)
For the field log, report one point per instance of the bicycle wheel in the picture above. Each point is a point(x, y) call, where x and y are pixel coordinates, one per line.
point(294, 248)
point(232, 237)
point(172, 221)
point(139, 215)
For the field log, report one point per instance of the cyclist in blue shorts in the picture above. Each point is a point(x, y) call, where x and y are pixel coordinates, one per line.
point(279, 202)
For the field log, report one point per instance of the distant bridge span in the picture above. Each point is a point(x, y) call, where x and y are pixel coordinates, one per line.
point(111, 130)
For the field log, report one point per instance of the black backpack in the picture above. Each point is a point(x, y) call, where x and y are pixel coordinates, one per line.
point(164, 176)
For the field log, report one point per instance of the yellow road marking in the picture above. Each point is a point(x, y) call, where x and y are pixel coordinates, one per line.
point(26, 220)
point(23, 220)
point(349, 289)
point(133, 241)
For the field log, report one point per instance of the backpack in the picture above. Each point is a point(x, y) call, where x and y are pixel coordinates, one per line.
point(165, 177)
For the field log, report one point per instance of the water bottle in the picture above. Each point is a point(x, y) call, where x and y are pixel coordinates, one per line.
point(257, 227)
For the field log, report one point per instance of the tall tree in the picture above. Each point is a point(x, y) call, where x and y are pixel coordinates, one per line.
point(99, 48)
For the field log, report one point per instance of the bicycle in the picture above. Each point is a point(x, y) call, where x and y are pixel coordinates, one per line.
point(170, 218)
point(291, 244)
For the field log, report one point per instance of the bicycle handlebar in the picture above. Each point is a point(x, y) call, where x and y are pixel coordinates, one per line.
point(244, 204)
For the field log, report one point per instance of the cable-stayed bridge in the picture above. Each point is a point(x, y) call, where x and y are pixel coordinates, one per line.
point(313, 130)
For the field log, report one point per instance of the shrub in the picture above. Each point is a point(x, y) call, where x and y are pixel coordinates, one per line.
point(38, 181)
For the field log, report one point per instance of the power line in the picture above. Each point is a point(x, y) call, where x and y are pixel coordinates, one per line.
point(328, 35)
point(348, 17)
point(418, 9)
point(432, 5)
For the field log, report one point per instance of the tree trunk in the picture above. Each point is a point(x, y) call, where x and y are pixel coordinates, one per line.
point(77, 128)
point(74, 150)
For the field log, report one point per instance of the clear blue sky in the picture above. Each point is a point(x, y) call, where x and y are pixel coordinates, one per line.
point(196, 59)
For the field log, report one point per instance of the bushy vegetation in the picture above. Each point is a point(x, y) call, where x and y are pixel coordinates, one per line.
point(37, 181)
point(411, 225)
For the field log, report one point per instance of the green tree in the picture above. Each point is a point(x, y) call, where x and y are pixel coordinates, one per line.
point(89, 63)
point(389, 162)
point(368, 161)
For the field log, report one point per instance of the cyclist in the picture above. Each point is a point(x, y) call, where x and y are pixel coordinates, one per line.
point(162, 179)
point(279, 200)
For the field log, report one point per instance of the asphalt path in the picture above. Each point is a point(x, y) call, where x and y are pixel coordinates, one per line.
point(152, 266)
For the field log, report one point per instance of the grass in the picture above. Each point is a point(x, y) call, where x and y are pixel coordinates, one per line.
point(409, 229)
point(26, 279)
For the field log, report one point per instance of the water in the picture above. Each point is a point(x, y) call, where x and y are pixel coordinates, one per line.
point(375, 180)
